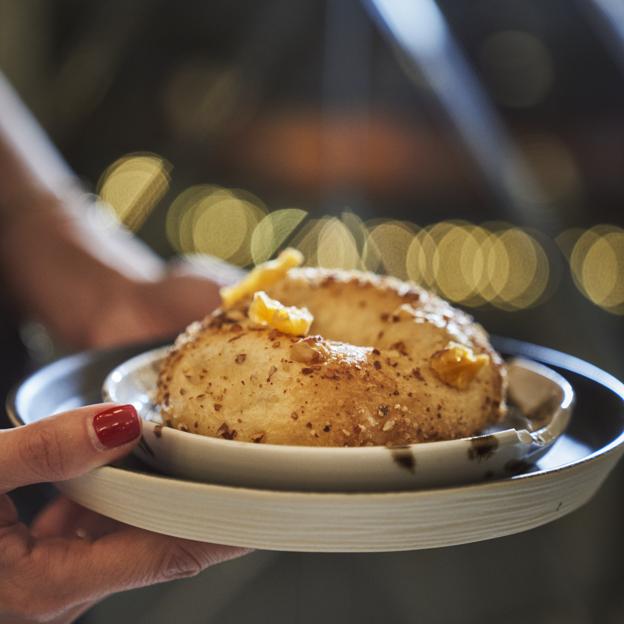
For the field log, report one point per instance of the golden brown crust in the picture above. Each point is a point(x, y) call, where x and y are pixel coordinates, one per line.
point(364, 380)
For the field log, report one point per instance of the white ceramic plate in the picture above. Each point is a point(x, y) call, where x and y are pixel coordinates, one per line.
point(543, 398)
point(562, 480)
point(334, 522)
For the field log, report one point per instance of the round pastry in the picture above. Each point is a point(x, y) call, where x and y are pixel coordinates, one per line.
point(387, 363)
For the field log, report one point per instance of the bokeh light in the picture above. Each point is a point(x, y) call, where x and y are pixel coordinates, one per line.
point(474, 258)
point(473, 265)
point(307, 238)
point(215, 221)
point(272, 231)
point(179, 219)
point(518, 269)
point(422, 262)
point(336, 248)
point(494, 263)
point(358, 230)
point(459, 261)
point(133, 185)
point(597, 265)
point(387, 246)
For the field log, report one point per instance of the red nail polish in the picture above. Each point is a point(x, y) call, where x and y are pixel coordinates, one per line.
point(117, 425)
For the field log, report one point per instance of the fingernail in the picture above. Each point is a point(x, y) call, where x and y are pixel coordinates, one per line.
point(117, 425)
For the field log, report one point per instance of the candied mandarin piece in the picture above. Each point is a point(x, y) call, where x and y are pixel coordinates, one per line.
point(457, 365)
point(266, 311)
point(263, 276)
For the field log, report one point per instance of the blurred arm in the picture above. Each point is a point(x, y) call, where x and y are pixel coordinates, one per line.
point(90, 285)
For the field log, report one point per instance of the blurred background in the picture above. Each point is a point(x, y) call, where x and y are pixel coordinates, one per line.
point(487, 165)
point(474, 147)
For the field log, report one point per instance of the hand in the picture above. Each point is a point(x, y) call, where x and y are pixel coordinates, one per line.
point(69, 557)
point(101, 287)
point(141, 311)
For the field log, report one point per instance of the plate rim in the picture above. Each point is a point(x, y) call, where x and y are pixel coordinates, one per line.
point(503, 483)
point(544, 436)
point(522, 349)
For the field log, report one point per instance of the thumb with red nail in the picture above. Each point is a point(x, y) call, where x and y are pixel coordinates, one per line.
point(81, 556)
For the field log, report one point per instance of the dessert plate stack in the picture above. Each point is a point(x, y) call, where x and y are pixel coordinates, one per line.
point(541, 403)
point(541, 463)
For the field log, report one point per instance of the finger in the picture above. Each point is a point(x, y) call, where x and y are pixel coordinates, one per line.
point(64, 518)
point(66, 445)
point(8, 512)
point(78, 571)
point(144, 558)
point(53, 519)
point(73, 614)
